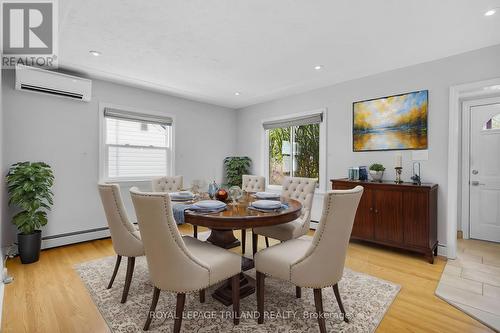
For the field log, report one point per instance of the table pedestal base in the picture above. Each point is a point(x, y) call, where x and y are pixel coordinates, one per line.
point(224, 293)
point(223, 238)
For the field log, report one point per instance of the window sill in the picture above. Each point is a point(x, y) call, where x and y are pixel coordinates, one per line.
point(121, 180)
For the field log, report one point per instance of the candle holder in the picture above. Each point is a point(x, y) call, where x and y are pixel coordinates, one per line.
point(399, 170)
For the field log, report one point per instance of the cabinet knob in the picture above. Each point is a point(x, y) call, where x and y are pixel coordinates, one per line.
point(371, 209)
point(376, 211)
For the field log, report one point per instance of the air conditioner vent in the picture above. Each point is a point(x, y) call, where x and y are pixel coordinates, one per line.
point(51, 91)
point(56, 84)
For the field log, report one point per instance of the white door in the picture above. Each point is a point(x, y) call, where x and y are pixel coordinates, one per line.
point(485, 172)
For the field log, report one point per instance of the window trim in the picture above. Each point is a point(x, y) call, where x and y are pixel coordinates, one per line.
point(322, 147)
point(102, 145)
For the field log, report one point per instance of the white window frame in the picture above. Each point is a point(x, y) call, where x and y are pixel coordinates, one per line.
point(322, 147)
point(170, 155)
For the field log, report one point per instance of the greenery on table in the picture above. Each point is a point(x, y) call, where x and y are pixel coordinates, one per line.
point(377, 167)
point(306, 155)
point(236, 167)
point(29, 186)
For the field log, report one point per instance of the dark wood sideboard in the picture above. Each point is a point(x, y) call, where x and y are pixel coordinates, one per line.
point(401, 216)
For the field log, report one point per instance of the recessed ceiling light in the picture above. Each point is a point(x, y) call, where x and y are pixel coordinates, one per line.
point(318, 67)
point(95, 53)
point(490, 12)
point(237, 93)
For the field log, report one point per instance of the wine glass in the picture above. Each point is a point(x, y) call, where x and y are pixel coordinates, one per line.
point(235, 193)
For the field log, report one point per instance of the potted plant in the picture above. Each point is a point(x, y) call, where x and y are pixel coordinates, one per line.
point(236, 167)
point(29, 186)
point(377, 172)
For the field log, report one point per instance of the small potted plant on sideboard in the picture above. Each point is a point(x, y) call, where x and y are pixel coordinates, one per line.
point(29, 186)
point(377, 172)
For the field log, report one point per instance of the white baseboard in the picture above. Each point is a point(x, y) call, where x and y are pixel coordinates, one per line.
point(72, 238)
point(442, 250)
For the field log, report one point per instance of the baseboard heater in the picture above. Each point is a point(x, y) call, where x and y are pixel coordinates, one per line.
point(74, 237)
point(314, 225)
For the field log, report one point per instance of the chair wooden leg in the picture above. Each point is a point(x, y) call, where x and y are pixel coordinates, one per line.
point(298, 292)
point(195, 231)
point(156, 295)
point(235, 289)
point(128, 278)
point(202, 296)
point(117, 265)
point(243, 240)
point(267, 242)
point(318, 301)
point(255, 242)
point(339, 301)
point(179, 308)
point(260, 296)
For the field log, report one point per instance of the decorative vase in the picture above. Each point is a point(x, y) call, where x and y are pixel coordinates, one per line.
point(29, 246)
point(221, 195)
point(376, 175)
point(212, 189)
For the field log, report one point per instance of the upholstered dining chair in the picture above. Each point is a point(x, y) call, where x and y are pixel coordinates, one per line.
point(251, 184)
point(167, 184)
point(124, 235)
point(316, 263)
point(180, 264)
point(301, 189)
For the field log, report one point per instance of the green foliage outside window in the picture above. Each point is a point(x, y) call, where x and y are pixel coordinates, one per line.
point(305, 154)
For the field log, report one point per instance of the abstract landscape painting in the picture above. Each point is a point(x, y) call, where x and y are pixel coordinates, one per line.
point(391, 123)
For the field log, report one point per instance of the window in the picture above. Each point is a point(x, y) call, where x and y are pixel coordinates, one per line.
point(493, 123)
point(294, 148)
point(136, 146)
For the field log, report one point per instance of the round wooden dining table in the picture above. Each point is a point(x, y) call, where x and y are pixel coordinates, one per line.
point(240, 216)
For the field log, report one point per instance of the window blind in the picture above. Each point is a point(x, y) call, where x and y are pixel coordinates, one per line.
point(130, 115)
point(295, 121)
point(137, 146)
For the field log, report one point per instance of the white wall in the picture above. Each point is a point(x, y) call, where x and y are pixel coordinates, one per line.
point(2, 199)
point(65, 134)
point(436, 76)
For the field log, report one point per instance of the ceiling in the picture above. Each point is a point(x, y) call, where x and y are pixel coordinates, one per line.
point(208, 50)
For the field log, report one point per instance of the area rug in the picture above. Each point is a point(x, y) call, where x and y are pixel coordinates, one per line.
point(365, 298)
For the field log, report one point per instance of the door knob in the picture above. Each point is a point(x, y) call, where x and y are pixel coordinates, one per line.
point(476, 183)
point(475, 172)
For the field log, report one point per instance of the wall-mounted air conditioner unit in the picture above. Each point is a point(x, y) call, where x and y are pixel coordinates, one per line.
point(53, 83)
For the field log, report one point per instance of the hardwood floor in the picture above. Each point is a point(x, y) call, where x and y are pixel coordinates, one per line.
point(49, 296)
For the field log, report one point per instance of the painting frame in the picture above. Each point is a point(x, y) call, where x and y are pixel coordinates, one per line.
point(426, 147)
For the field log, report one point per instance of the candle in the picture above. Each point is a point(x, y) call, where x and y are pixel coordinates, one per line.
point(398, 161)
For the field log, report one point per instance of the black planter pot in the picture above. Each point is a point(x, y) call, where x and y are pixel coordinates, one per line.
point(29, 246)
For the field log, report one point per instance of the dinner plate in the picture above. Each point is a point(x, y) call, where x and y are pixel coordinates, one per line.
point(209, 204)
point(267, 195)
point(182, 194)
point(267, 204)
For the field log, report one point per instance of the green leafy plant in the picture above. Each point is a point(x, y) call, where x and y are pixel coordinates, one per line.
point(377, 167)
point(236, 167)
point(29, 186)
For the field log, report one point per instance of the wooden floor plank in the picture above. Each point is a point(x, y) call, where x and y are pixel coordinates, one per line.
point(48, 296)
